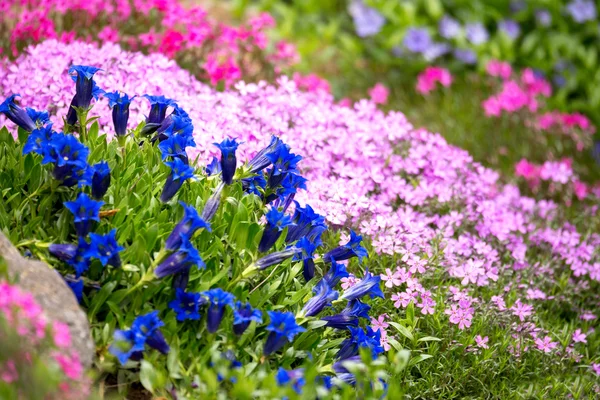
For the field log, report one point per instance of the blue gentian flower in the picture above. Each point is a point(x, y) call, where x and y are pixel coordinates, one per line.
point(85, 210)
point(336, 272)
point(38, 140)
point(466, 56)
point(119, 102)
point(212, 204)
point(180, 172)
point(181, 260)
point(359, 338)
point(186, 228)
point(343, 373)
point(158, 109)
point(367, 20)
point(81, 259)
point(582, 10)
point(39, 118)
point(144, 330)
point(84, 84)
point(369, 285)
point(71, 118)
point(294, 377)
point(174, 147)
point(181, 279)
point(275, 258)
point(100, 179)
point(17, 114)
point(307, 223)
point(243, 314)
point(64, 252)
point(417, 40)
point(262, 159)
point(349, 250)
point(213, 168)
point(323, 297)
point(187, 305)
point(76, 286)
point(448, 27)
point(284, 162)
point(510, 27)
point(105, 248)
point(252, 185)
point(287, 191)
point(349, 315)
point(218, 299)
point(276, 223)
point(306, 253)
point(282, 329)
point(176, 123)
point(476, 33)
point(325, 381)
point(69, 157)
point(228, 159)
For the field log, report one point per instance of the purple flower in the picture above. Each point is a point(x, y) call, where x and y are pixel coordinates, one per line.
point(336, 272)
point(436, 50)
point(105, 248)
point(466, 56)
point(212, 204)
point(276, 258)
point(543, 17)
point(306, 254)
point(582, 10)
point(119, 102)
point(449, 27)
point(348, 250)
point(510, 28)
point(367, 20)
point(359, 338)
point(417, 40)
point(144, 330)
point(180, 172)
point(84, 84)
point(476, 33)
point(294, 377)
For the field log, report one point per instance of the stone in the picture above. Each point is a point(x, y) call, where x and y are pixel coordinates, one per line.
point(53, 295)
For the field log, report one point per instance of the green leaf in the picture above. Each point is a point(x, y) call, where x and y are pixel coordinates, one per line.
point(421, 357)
point(429, 339)
point(403, 331)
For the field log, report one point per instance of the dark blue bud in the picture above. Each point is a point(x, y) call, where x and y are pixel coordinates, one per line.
point(100, 179)
point(17, 114)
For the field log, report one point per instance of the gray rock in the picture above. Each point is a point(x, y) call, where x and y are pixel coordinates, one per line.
point(53, 295)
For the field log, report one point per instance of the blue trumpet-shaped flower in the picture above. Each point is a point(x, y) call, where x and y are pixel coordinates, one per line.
point(180, 261)
point(294, 377)
point(39, 118)
point(180, 172)
point(119, 102)
point(76, 286)
point(286, 193)
point(276, 258)
point(69, 157)
point(186, 228)
point(81, 259)
point(100, 179)
point(336, 272)
point(307, 223)
point(105, 248)
point(17, 114)
point(181, 279)
point(349, 250)
point(85, 210)
point(174, 147)
point(369, 285)
point(144, 330)
point(63, 252)
point(214, 167)
point(158, 109)
point(262, 159)
point(187, 305)
point(38, 140)
point(359, 338)
point(252, 185)
point(323, 297)
point(228, 159)
point(283, 328)
point(178, 123)
point(84, 84)
point(284, 162)
point(218, 299)
point(349, 315)
point(243, 314)
point(276, 223)
point(307, 250)
point(212, 204)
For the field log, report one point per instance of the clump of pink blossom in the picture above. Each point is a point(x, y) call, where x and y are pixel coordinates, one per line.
point(379, 94)
point(427, 80)
point(499, 69)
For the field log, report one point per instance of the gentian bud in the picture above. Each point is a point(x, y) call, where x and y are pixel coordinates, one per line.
point(158, 112)
point(349, 315)
point(17, 114)
point(282, 329)
point(64, 252)
point(260, 161)
point(306, 255)
point(85, 210)
point(212, 204)
point(186, 228)
point(323, 297)
point(84, 84)
point(180, 172)
point(218, 299)
point(276, 258)
point(119, 102)
point(276, 222)
point(307, 223)
point(228, 159)
point(100, 179)
point(181, 279)
point(336, 272)
point(243, 315)
point(72, 113)
point(283, 162)
point(180, 261)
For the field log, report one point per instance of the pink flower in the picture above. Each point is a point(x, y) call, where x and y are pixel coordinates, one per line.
point(311, 83)
point(596, 368)
point(171, 43)
point(379, 323)
point(69, 364)
point(499, 69)
point(546, 345)
point(108, 34)
point(521, 310)
point(8, 372)
point(492, 107)
point(348, 282)
point(379, 94)
point(579, 337)
point(430, 76)
point(580, 189)
point(391, 279)
point(222, 68)
point(482, 341)
point(62, 334)
point(527, 170)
